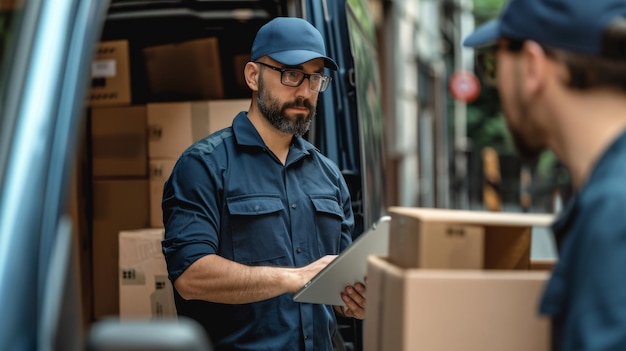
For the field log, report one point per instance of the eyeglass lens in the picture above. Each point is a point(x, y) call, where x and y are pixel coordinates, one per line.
point(293, 78)
point(317, 82)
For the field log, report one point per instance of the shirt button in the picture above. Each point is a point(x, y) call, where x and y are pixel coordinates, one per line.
point(306, 337)
point(299, 249)
point(294, 206)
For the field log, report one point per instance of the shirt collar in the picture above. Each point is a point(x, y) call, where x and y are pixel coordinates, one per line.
point(246, 135)
point(561, 225)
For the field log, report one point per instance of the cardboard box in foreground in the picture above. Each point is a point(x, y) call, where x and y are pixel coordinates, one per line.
point(444, 238)
point(442, 310)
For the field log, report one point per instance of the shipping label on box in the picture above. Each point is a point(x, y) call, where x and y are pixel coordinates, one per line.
point(145, 290)
point(110, 74)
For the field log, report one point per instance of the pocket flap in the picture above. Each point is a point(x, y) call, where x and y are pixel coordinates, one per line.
point(250, 206)
point(327, 205)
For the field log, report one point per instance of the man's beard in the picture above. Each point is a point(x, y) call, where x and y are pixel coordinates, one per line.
point(526, 144)
point(528, 150)
point(275, 114)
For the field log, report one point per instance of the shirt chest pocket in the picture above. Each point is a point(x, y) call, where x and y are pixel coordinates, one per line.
point(258, 230)
point(328, 218)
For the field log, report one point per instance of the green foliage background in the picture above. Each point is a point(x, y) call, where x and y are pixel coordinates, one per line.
point(485, 10)
point(486, 125)
point(485, 122)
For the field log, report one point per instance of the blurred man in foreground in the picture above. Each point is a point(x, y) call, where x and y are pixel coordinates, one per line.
point(560, 67)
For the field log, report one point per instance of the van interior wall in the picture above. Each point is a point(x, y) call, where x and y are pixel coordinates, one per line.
point(234, 38)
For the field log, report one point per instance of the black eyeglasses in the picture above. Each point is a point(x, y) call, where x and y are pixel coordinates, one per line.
point(293, 78)
point(486, 64)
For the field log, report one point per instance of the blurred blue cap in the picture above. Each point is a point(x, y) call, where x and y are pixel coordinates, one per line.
point(290, 41)
point(573, 25)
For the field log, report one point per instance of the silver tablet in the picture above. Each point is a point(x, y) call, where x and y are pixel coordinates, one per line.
point(348, 268)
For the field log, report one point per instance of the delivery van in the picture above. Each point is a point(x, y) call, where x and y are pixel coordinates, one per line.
point(56, 74)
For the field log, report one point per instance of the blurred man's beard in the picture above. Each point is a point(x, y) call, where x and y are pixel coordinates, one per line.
point(518, 111)
point(528, 153)
point(526, 145)
point(275, 114)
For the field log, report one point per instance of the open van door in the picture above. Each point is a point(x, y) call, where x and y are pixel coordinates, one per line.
point(349, 128)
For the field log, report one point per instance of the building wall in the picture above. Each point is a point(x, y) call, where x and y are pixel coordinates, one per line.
point(419, 49)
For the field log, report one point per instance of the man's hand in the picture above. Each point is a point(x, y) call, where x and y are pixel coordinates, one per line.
point(354, 298)
point(304, 274)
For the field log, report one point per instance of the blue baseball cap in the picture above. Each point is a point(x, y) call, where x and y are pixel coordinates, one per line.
point(573, 25)
point(290, 41)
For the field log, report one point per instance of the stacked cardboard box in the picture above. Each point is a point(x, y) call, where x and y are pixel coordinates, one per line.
point(145, 290)
point(189, 70)
point(119, 187)
point(118, 204)
point(119, 142)
point(442, 238)
point(119, 193)
point(134, 149)
point(110, 75)
point(134, 146)
point(172, 128)
point(456, 280)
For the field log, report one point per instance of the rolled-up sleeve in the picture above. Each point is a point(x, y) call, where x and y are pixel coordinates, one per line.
point(190, 214)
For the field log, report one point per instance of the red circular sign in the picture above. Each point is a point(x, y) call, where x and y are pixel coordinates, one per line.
point(464, 86)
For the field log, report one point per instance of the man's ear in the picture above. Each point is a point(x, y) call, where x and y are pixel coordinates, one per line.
point(251, 73)
point(537, 67)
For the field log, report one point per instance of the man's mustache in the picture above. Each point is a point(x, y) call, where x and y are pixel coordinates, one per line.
point(299, 103)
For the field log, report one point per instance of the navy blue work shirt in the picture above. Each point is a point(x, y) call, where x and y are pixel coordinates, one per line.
point(229, 195)
point(586, 294)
